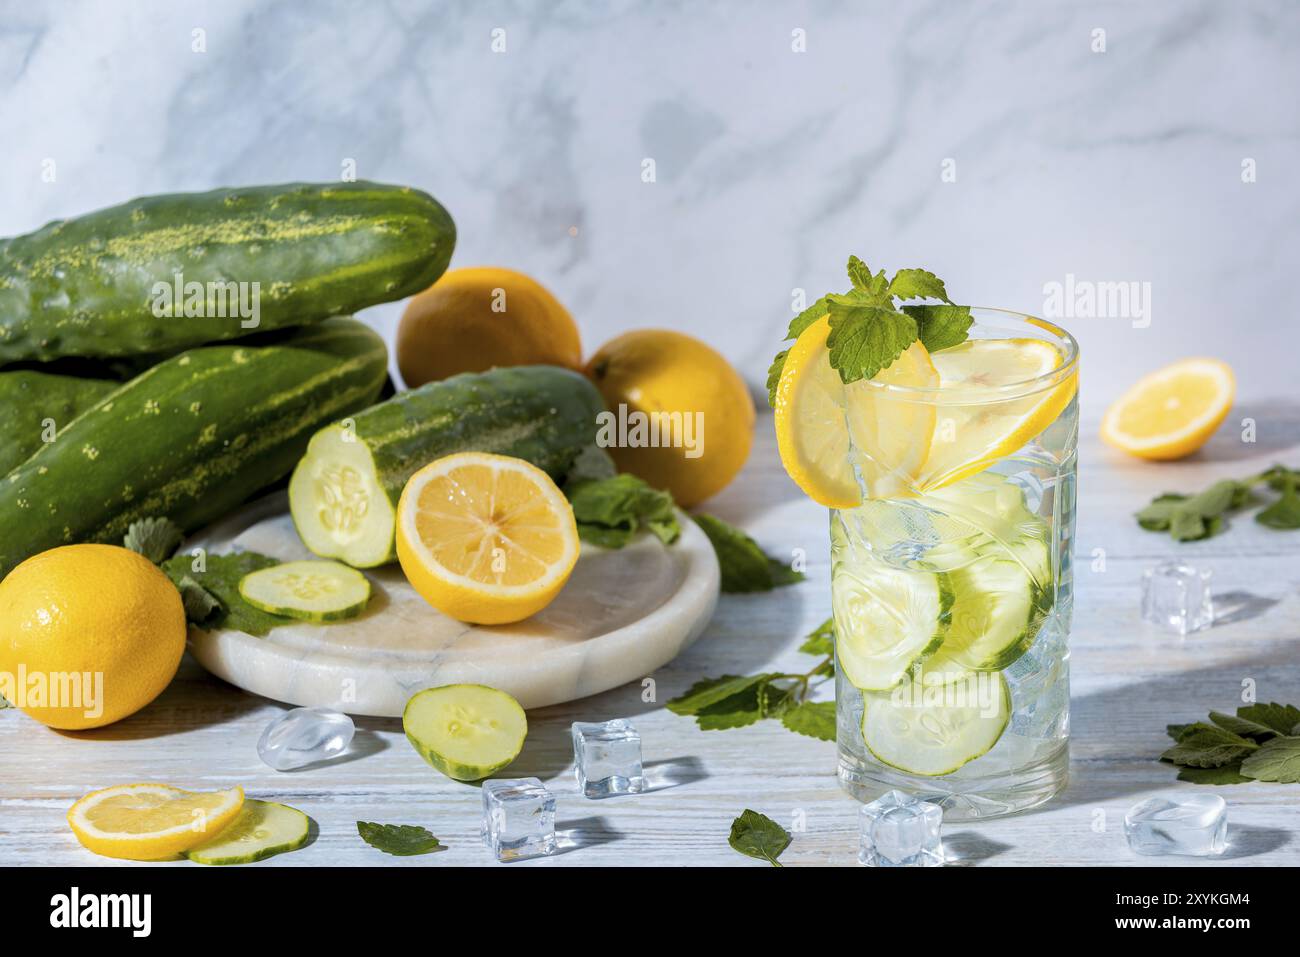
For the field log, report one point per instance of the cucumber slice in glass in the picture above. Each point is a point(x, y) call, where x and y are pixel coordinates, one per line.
point(310, 590)
point(465, 731)
point(261, 830)
point(933, 730)
point(886, 620)
point(996, 611)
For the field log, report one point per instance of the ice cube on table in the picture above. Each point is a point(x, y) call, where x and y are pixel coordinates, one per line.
point(518, 818)
point(305, 736)
point(1176, 596)
point(1193, 825)
point(608, 758)
point(900, 830)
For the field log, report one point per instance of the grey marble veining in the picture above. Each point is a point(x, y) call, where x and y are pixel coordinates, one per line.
point(770, 164)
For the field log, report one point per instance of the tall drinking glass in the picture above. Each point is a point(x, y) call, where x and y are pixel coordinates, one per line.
point(951, 582)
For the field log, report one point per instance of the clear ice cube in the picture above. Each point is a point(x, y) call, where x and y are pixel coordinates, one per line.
point(305, 736)
point(900, 830)
point(608, 758)
point(1177, 597)
point(518, 818)
point(1194, 825)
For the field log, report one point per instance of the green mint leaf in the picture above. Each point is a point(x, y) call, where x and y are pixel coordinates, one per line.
point(710, 691)
point(220, 579)
point(1279, 476)
point(918, 284)
point(1281, 718)
point(199, 603)
point(821, 640)
point(941, 327)
point(774, 376)
point(738, 712)
point(1191, 518)
point(610, 511)
point(866, 287)
point(1285, 512)
point(155, 538)
point(745, 568)
point(1208, 746)
point(867, 338)
point(1176, 731)
point(1277, 760)
point(1243, 726)
point(400, 840)
point(806, 318)
point(813, 718)
point(758, 836)
point(1224, 774)
point(860, 274)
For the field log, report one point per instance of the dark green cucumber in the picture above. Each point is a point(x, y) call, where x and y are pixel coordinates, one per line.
point(103, 284)
point(190, 439)
point(343, 495)
point(34, 405)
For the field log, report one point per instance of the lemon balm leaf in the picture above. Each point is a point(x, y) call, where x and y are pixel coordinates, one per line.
point(865, 339)
point(399, 840)
point(758, 836)
point(941, 327)
point(155, 538)
point(917, 284)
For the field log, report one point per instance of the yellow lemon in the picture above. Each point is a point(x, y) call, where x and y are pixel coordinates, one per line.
point(88, 635)
point(829, 433)
point(485, 538)
point(473, 319)
point(151, 822)
point(680, 416)
point(1171, 412)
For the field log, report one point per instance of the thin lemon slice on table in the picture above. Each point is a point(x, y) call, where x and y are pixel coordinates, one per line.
point(484, 538)
point(1171, 412)
point(982, 415)
point(151, 822)
point(834, 439)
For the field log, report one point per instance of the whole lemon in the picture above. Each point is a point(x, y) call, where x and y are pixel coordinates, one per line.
point(473, 319)
point(88, 635)
point(679, 417)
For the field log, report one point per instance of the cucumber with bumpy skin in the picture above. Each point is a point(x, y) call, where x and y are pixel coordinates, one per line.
point(188, 440)
point(30, 401)
point(344, 492)
point(465, 731)
point(310, 590)
point(262, 829)
point(104, 284)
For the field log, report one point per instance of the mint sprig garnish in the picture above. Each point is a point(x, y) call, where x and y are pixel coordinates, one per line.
point(758, 836)
point(869, 330)
point(400, 840)
point(1189, 518)
point(736, 701)
point(610, 511)
point(1261, 742)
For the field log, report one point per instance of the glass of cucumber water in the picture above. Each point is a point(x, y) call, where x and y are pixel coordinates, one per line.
point(951, 580)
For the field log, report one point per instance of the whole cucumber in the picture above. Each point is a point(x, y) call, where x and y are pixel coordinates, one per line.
point(190, 439)
point(165, 273)
point(344, 492)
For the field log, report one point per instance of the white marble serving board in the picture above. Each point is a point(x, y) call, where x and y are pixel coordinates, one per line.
point(621, 615)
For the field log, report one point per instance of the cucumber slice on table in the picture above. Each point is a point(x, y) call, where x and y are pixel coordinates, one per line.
point(465, 731)
point(310, 590)
point(886, 620)
point(901, 730)
point(261, 830)
point(996, 612)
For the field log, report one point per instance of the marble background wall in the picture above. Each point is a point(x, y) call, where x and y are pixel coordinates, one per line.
point(772, 163)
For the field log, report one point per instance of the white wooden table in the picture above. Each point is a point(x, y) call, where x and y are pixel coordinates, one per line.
point(1128, 682)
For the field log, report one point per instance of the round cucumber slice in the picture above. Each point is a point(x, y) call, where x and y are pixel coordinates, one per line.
point(262, 829)
point(994, 506)
point(886, 620)
point(996, 612)
point(933, 730)
point(465, 731)
point(310, 590)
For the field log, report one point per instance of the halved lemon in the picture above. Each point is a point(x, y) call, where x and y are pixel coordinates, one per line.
point(1171, 412)
point(151, 822)
point(977, 425)
point(836, 439)
point(485, 538)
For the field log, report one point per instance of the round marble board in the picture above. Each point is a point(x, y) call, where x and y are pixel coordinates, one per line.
point(622, 614)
